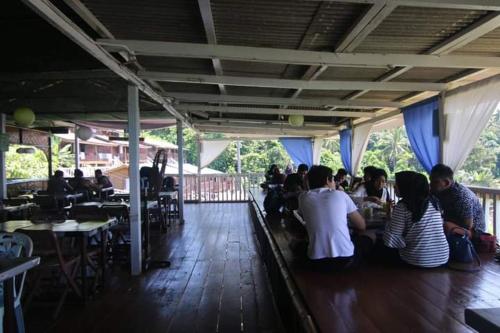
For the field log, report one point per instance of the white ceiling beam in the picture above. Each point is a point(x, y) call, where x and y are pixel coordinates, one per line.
point(261, 133)
point(257, 100)
point(260, 128)
point(300, 57)
point(291, 84)
point(60, 21)
point(463, 37)
point(257, 122)
point(208, 24)
point(492, 5)
point(370, 20)
point(269, 111)
point(88, 17)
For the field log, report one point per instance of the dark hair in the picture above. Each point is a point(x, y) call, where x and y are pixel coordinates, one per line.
point(442, 171)
point(99, 171)
point(369, 170)
point(318, 176)
point(414, 190)
point(370, 186)
point(58, 173)
point(271, 168)
point(78, 173)
point(302, 168)
point(342, 172)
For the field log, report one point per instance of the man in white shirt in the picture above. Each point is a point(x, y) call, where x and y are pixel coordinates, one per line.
point(325, 211)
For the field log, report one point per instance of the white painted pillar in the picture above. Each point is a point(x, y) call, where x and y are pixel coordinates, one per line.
point(238, 156)
point(49, 155)
point(77, 151)
point(180, 157)
point(198, 179)
point(134, 181)
point(3, 178)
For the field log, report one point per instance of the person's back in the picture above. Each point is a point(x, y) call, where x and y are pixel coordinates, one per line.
point(325, 212)
point(57, 185)
point(421, 243)
point(416, 225)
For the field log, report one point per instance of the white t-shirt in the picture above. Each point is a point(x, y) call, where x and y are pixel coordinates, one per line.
point(325, 213)
point(361, 193)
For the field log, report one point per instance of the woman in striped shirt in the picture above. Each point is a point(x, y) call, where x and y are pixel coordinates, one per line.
point(416, 225)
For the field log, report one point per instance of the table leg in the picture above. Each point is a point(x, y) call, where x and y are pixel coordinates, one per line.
point(83, 265)
point(9, 321)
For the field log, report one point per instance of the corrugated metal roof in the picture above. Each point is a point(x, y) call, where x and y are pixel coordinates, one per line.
point(384, 95)
point(487, 45)
point(425, 74)
point(352, 74)
point(172, 20)
point(415, 30)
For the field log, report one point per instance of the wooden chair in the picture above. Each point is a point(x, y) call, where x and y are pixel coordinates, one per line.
point(15, 245)
point(56, 265)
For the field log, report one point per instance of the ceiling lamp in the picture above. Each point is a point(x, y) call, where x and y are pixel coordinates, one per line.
point(24, 117)
point(296, 120)
point(84, 133)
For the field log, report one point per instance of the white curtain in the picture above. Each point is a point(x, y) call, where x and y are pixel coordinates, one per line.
point(317, 151)
point(360, 135)
point(396, 121)
point(466, 114)
point(211, 149)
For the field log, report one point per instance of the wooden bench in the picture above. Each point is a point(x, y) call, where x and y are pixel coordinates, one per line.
point(376, 297)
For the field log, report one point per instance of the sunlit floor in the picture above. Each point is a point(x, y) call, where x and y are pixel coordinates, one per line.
point(217, 283)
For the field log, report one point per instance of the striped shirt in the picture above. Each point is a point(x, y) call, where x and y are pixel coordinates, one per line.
point(422, 243)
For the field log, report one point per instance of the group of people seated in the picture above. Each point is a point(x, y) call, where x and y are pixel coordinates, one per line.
point(59, 187)
point(415, 232)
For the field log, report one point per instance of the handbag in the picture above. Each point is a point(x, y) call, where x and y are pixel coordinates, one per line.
point(462, 251)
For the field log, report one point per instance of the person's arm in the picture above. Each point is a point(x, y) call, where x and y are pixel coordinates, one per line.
point(357, 221)
point(373, 199)
point(394, 230)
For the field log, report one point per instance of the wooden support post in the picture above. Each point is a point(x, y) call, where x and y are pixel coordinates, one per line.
point(198, 179)
point(134, 181)
point(49, 154)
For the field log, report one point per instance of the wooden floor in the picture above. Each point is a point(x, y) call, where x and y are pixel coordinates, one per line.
point(382, 298)
point(217, 283)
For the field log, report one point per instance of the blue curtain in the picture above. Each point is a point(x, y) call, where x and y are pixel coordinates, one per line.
point(422, 126)
point(346, 149)
point(300, 150)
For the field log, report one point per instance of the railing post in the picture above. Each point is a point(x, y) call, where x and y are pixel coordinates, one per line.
point(486, 210)
point(180, 157)
point(3, 177)
point(496, 213)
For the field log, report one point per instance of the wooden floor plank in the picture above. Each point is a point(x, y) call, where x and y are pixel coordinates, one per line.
point(209, 281)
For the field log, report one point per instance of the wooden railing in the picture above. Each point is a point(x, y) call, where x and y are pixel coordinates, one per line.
point(220, 187)
point(490, 200)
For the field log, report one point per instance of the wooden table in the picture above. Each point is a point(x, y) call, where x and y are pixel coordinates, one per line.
point(9, 268)
point(483, 320)
point(24, 208)
point(71, 228)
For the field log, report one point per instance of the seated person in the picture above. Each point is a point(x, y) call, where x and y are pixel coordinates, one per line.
point(292, 187)
point(341, 180)
point(58, 186)
point(458, 203)
point(302, 172)
point(374, 190)
point(102, 181)
point(325, 212)
point(82, 185)
point(270, 172)
point(277, 178)
point(416, 226)
point(367, 176)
